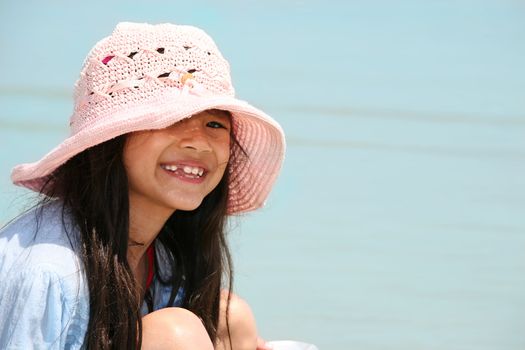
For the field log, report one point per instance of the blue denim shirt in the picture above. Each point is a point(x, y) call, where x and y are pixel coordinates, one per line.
point(44, 297)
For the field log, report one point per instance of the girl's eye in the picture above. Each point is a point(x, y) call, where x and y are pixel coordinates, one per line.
point(216, 125)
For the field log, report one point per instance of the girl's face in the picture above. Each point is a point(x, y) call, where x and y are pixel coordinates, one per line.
point(176, 167)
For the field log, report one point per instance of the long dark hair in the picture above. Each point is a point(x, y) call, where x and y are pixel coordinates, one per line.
point(93, 186)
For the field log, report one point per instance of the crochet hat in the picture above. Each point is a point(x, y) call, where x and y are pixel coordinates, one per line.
point(147, 76)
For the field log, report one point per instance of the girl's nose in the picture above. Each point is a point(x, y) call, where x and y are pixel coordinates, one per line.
point(194, 136)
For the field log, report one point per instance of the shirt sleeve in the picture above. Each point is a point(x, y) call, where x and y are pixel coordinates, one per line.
point(35, 312)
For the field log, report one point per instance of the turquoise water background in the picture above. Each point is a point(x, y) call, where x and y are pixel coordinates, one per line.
point(398, 221)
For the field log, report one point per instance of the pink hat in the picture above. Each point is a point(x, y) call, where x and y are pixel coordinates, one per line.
point(147, 76)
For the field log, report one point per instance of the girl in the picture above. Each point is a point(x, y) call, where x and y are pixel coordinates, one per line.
point(126, 249)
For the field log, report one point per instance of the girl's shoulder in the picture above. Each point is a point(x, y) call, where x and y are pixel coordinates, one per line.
point(42, 240)
point(42, 279)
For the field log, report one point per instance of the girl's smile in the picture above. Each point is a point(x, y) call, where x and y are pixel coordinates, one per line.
point(186, 172)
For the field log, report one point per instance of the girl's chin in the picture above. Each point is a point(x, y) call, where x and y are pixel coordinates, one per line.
point(185, 205)
point(186, 208)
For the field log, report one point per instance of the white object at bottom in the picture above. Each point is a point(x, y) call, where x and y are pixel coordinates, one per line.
point(290, 345)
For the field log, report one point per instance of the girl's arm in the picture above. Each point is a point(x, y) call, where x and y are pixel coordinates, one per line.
point(38, 312)
point(243, 329)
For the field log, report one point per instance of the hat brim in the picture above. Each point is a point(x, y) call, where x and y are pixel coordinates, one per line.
point(257, 133)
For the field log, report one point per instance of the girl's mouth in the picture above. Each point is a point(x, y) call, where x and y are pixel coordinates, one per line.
point(185, 171)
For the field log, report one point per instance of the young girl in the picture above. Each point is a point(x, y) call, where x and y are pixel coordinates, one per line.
point(127, 249)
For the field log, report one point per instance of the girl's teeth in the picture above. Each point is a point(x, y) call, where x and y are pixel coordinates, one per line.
point(186, 169)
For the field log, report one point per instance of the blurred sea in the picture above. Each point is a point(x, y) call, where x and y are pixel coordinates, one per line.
point(398, 221)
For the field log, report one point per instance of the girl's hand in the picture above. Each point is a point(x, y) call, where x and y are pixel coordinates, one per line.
point(261, 344)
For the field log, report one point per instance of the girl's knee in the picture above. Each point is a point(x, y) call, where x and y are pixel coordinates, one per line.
point(174, 328)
